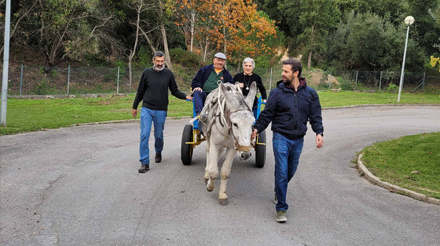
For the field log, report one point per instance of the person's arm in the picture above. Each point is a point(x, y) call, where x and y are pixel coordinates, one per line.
point(175, 89)
point(266, 116)
point(228, 77)
point(197, 80)
point(237, 80)
point(315, 118)
point(139, 94)
point(261, 88)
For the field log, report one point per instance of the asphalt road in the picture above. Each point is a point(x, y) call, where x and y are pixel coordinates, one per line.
point(80, 186)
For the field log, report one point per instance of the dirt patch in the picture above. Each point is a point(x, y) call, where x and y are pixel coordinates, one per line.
point(315, 77)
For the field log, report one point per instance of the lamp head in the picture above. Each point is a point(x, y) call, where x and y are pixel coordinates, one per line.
point(409, 20)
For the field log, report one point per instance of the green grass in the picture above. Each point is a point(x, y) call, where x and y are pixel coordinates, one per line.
point(344, 98)
point(411, 162)
point(24, 115)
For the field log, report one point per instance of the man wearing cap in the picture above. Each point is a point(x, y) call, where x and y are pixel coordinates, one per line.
point(207, 78)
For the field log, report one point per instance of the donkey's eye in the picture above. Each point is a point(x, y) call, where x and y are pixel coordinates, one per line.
point(235, 124)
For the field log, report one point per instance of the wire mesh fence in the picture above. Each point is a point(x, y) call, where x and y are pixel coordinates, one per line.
point(29, 80)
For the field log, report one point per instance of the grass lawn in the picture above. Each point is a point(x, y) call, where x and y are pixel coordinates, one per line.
point(411, 162)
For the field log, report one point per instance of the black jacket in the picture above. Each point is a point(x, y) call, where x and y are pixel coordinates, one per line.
point(247, 81)
point(289, 111)
point(203, 75)
point(153, 89)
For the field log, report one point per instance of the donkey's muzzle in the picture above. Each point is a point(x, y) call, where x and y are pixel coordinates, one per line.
point(244, 155)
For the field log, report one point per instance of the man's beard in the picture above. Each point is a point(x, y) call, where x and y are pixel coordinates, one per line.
point(158, 68)
point(287, 81)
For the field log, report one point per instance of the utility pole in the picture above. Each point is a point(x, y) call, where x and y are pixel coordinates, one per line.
point(5, 64)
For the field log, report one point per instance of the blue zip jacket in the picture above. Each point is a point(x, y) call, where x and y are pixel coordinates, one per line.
point(289, 111)
point(203, 75)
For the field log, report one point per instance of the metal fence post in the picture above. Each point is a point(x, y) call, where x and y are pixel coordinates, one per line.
point(117, 84)
point(270, 80)
point(355, 85)
point(68, 79)
point(423, 84)
point(380, 80)
point(21, 79)
point(330, 81)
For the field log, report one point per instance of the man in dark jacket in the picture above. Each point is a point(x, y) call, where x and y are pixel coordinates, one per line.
point(289, 107)
point(153, 91)
point(207, 79)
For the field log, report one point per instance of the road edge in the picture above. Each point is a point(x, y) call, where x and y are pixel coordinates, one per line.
point(393, 188)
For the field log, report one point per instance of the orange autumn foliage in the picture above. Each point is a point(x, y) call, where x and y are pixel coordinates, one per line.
point(232, 26)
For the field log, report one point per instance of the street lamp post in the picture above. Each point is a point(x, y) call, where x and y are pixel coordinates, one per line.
point(408, 21)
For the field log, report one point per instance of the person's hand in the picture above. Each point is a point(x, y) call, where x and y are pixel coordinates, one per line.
point(134, 112)
point(241, 85)
point(319, 141)
point(254, 134)
point(264, 100)
point(197, 89)
point(189, 98)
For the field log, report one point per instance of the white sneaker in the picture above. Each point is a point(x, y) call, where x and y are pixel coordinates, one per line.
point(281, 216)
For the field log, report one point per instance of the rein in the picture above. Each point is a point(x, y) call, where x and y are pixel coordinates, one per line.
point(226, 123)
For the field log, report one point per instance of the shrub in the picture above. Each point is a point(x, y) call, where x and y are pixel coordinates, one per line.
point(184, 57)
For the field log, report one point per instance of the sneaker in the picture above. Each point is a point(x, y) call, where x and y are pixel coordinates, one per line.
point(281, 216)
point(275, 200)
point(158, 158)
point(144, 168)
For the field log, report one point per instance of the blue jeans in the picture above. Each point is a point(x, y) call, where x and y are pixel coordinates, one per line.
point(148, 117)
point(286, 154)
point(199, 98)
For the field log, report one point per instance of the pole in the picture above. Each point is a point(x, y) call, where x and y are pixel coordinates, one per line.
point(423, 85)
point(330, 81)
point(355, 85)
point(68, 80)
point(4, 98)
point(117, 84)
point(270, 80)
point(403, 66)
point(21, 79)
point(380, 80)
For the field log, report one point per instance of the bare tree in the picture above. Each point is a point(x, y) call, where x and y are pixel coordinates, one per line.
point(67, 27)
point(24, 12)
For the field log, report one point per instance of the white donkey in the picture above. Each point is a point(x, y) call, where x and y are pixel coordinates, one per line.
point(228, 125)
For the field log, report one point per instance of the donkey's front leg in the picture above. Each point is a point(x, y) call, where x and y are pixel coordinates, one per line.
point(225, 172)
point(212, 165)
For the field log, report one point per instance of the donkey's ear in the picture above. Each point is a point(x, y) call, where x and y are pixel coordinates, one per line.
point(231, 100)
point(251, 95)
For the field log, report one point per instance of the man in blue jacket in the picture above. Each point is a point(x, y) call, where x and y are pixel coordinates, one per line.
point(290, 105)
point(207, 79)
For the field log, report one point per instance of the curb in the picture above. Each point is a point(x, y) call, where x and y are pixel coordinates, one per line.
point(393, 188)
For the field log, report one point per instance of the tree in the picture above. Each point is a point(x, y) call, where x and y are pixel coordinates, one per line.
point(22, 11)
point(226, 26)
point(60, 28)
point(425, 30)
point(370, 42)
point(435, 61)
point(317, 18)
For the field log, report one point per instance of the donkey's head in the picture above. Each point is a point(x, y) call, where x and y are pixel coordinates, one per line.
point(239, 117)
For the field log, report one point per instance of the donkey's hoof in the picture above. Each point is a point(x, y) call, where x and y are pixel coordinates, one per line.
point(223, 202)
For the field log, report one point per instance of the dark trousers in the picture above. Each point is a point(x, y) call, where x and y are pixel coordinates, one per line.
point(199, 98)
